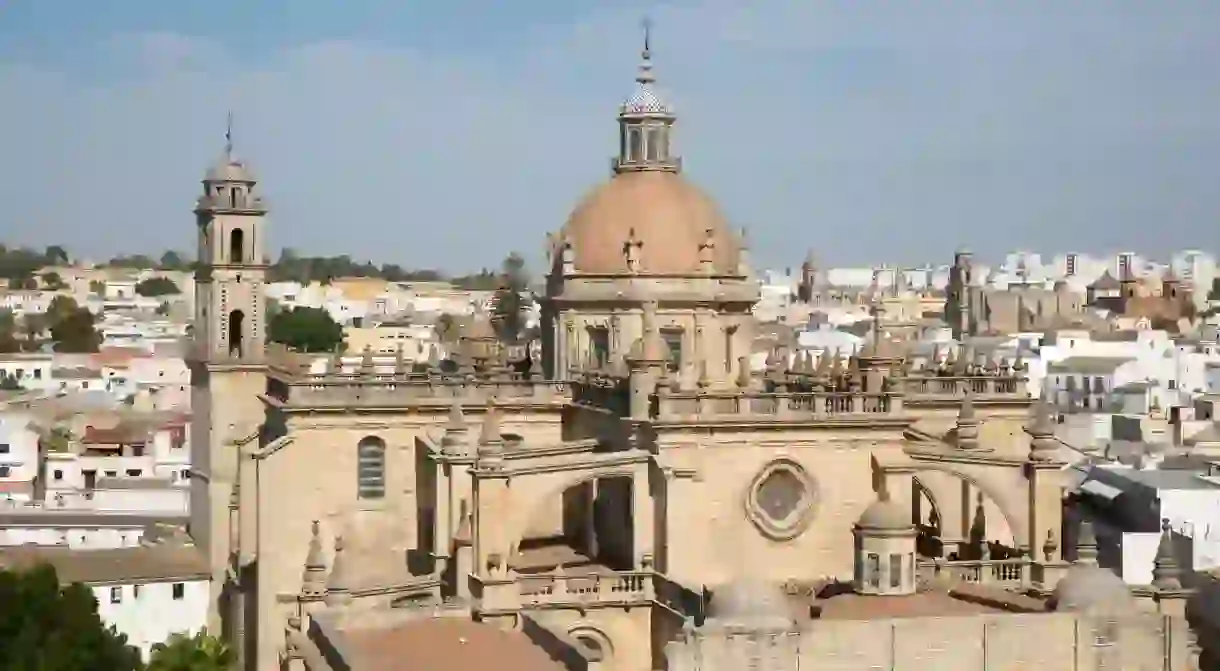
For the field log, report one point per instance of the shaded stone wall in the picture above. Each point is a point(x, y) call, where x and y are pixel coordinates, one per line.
point(1048, 642)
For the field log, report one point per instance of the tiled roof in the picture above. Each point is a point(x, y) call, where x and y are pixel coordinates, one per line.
point(157, 563)
point(444, 644)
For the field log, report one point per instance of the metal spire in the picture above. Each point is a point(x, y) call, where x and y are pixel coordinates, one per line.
point(645, 76)
point(229, 137)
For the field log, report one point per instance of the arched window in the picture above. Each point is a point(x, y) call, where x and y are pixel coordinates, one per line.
point(634, 148)
point(654, 142)
point(237, 320)
point(237, 245)
point(370, 468)
point(233, 193)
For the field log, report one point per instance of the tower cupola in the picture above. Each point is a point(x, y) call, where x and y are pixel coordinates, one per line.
point(645, 122)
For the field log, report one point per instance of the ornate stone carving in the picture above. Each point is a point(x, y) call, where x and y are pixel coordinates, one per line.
point(781, 500)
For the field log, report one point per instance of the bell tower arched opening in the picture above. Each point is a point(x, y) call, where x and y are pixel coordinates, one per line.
point(237, 246)
point(237, 320)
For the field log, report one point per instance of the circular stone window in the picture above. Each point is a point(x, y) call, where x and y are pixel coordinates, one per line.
point(780, 500)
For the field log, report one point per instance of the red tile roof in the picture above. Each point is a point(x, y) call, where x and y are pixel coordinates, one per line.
point(445, 644)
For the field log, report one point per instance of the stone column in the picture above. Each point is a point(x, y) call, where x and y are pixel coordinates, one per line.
point(644, 517)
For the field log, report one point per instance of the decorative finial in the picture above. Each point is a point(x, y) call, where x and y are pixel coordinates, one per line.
point(229, 137)
point(1165, 572)
point(645, 76)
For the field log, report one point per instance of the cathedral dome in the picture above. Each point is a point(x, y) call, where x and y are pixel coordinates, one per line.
point(229, 170)
point(749, 601)
point(1089, 588)
point(668, 216)
point(885, 515)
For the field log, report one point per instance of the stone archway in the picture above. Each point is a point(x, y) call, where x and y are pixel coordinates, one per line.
point(549, 488)
point(928, 522)
point(1006, 498)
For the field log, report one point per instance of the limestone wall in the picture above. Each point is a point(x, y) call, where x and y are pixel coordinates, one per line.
point(1048, 642)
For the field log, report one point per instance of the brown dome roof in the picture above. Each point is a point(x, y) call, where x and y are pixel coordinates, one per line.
point(670, 216)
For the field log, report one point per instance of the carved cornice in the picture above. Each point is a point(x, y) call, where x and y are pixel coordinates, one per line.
point(949, 455)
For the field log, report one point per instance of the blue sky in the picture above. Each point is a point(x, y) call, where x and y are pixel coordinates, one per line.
point(446, 133)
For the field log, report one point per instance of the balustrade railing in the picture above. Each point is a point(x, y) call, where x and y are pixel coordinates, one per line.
point(387, 390)
point(999, 572)
point(958, 386)
point(561, 589)
point(790, 404)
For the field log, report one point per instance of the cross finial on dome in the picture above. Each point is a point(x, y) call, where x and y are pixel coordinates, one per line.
point(645, 76)
point(229, 137)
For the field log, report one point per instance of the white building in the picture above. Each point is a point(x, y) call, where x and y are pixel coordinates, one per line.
point(18, 456)
point(24, 525)
point(1134, 502)
point(147, 593)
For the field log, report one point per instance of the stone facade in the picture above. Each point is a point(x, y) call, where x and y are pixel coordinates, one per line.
point(596, 500)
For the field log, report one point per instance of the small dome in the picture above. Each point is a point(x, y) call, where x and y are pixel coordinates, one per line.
point(885, 515)
point(750, 601)
point(229, 170)
point(1089, 588)
point(670, 217)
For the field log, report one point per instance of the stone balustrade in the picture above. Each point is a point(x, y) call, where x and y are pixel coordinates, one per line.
point(794, 405)
point(553, 589)
point(386, 390)
point(958, 386)
point(998, 572)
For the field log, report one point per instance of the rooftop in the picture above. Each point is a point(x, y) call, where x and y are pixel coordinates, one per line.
point(1165, 479)
point(441, 644)
point(1089, 365)
point(963, 600)
point(156, 563)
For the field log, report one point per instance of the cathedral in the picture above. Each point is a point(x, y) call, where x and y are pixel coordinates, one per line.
point(636, 497)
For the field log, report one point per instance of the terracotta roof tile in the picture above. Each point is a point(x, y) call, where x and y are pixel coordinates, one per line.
point(445, 644)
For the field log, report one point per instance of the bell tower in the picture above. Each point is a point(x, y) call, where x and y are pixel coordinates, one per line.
point(228, 374)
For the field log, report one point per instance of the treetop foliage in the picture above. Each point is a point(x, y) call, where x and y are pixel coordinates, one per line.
point(52, 628)
point(19, 267)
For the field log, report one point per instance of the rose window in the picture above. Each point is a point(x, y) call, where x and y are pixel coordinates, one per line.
point(781, 499)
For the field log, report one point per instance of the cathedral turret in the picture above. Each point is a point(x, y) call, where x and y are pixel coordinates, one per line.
point(457, 433)
point(645, 121)
point(338, 583)
point(313, 579)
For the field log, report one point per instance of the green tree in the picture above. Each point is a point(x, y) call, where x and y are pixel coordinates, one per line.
point(32, 326)
point(54, 628)
point(97, 287)
point(157, 286)
point(72, 326)
point(172, 260)
point(138, 261)
point(509, 303)
point(8, 332)
point(52, 281)
point(56, 255)
point(201, 652)
point(446, 328)
point(9, 382)
point(305, 329)
point(22, 282)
